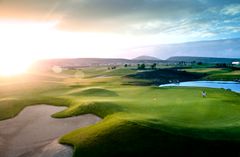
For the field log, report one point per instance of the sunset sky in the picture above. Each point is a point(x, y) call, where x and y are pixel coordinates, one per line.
point(39, 29)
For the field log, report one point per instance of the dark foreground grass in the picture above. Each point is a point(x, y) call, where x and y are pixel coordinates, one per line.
point(137, 120)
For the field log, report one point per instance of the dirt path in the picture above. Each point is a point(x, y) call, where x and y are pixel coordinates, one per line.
point(33, 133)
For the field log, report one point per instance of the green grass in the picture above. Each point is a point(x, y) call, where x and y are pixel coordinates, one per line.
point(217, 73)
point(137, 120)
point(95, 92)
point(185, 118)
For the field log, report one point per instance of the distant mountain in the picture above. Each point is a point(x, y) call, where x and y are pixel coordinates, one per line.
point(226, 48)
point(146, 58)
point(202, 59)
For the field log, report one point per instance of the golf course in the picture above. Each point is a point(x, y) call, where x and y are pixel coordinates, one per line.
point(119, 78)
point(139, 118)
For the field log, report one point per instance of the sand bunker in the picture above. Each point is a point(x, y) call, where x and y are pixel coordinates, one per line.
point(34, 133)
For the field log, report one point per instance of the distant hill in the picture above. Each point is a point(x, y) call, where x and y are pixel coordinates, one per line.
point(145, 58)
point(202, 59)
point(83, 62)
point(227, 48)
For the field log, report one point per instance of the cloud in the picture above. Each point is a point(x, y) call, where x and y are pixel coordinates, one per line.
point(203, 19)
point(100, 14)
point(232, 9)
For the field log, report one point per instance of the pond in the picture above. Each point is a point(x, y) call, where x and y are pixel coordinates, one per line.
point(233, 86)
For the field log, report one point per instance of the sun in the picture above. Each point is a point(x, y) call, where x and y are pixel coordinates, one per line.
point(12, 67)
point(19, 43)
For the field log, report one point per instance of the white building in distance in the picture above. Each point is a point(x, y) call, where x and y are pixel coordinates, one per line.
point(235, 63)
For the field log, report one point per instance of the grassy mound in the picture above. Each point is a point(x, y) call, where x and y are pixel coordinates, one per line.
point(101, 109)
point(124, 138)
point(96, 92)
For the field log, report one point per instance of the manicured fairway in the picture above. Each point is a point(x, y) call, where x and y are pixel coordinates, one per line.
point(138, 120)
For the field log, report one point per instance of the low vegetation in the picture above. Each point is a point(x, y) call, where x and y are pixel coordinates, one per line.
point(163, 76)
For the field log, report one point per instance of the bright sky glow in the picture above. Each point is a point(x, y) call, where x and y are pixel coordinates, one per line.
point(18, 42)
point(13, 66)
point(23, 42)
point(39, 29)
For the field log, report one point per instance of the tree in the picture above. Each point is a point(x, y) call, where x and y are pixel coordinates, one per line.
point(141, 66)
point(138, 66)
point(221, 65)
point(193, 62)
point(125, 65)
point(114, 67)
point(153, 66)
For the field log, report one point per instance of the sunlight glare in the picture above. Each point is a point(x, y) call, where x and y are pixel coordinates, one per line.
point(19, 42)
point(10, 68)
point(23, 42)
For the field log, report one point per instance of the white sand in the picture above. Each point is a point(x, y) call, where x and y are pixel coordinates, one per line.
point(33, 133)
